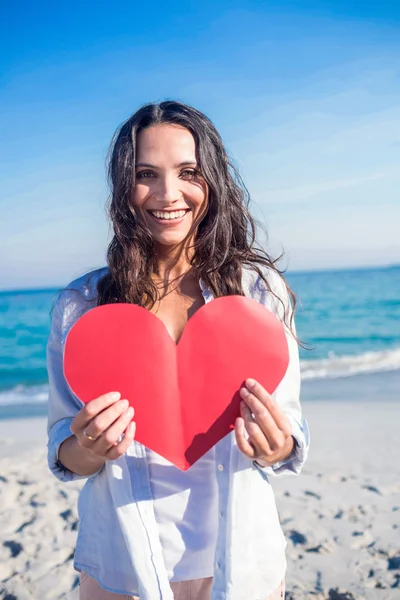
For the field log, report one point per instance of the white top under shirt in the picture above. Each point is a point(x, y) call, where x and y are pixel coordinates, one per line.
point(186, 511)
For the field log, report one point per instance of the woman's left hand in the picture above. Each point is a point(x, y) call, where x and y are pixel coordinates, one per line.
point(269, 431)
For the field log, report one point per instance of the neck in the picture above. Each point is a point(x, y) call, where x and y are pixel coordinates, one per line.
point(172, 263)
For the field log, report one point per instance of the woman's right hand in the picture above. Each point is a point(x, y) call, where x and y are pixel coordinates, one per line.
point(99, 425)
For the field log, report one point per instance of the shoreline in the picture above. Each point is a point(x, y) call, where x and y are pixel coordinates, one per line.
point(365, 387)
point(18, 436)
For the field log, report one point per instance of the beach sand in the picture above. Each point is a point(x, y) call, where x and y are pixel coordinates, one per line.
point(341, 516)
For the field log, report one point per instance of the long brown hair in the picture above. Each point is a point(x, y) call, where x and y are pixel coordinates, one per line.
point(225, 241)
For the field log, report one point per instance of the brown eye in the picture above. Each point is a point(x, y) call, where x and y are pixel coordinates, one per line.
point(144, 174)
point(189, 174)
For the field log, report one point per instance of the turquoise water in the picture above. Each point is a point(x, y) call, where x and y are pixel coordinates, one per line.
point(24, 328)
point(350, 318)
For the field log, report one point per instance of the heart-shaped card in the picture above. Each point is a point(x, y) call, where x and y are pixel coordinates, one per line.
point(186, 395)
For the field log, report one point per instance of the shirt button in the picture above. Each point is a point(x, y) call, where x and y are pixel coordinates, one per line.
point(221, 514)
point(220, 467)
point(217, 566)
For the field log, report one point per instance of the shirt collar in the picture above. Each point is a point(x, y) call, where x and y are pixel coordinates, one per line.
point(205, 290)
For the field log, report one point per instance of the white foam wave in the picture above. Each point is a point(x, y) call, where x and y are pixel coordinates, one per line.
point(345, 366)
point(21, 394)
point(323, 368)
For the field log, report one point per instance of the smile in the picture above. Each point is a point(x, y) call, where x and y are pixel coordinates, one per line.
point(168, 215)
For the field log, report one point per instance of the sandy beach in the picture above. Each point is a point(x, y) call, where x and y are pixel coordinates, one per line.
point(341, 517)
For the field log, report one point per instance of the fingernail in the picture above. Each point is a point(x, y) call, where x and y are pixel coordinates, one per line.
point(244, 393)
point(243, 405)
point(115, 395)
point(124, 404)
point(130, 411)
point(250, 383)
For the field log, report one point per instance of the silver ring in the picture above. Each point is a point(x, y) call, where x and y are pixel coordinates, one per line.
point(92, 439)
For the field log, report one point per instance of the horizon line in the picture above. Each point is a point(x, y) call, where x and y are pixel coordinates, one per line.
point(287, 272)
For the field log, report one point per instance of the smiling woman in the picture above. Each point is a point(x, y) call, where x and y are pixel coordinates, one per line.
point(169, 194)
point(183, 236)
point(165, 157)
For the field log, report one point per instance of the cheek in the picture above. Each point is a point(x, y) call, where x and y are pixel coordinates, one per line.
point(199, 198)
point(139, 196)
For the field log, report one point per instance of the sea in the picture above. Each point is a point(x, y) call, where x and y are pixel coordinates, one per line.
point(347, 320)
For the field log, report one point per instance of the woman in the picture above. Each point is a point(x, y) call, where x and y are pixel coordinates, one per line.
point(182, 236)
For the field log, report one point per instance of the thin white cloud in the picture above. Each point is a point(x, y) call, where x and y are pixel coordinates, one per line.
point(295, 194)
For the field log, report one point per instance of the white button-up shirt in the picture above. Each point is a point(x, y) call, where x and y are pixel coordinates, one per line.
point(118, 541)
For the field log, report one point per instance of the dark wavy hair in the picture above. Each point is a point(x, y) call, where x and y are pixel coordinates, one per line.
point(225, 240)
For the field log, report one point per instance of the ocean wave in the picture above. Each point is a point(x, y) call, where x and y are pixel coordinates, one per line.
point(25, 394)
point(345, 366)
point(324, 368)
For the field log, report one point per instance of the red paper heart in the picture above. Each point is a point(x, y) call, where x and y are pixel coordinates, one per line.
point(185, 395)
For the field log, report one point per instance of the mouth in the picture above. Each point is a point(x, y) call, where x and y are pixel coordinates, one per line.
point(168, 217)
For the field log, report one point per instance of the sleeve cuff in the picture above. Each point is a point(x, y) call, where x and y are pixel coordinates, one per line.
point(58, 434)
point(293, 464)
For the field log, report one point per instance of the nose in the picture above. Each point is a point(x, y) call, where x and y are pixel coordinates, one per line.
point(168, 190)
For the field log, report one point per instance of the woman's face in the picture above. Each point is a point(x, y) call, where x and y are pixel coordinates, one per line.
point(169, 193)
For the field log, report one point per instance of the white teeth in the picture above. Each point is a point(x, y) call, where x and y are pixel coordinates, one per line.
point(166, 215)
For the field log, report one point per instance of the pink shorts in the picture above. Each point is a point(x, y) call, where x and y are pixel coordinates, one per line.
point(195, 589)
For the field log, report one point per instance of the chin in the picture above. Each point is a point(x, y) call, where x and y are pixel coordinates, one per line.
point(169, 241)
point(172, 238)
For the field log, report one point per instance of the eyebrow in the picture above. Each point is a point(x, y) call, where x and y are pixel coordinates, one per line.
point(182, 164)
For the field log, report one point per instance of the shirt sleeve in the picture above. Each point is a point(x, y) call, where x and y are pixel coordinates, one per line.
point(287, 394)
point(63, 405)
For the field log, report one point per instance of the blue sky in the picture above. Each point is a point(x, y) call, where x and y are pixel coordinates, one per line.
point(305, 94)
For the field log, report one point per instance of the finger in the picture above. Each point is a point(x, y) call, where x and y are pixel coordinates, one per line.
point(257, 438)
point(242, 443)
point(261, 393)
point(119, 449)
point(261, 413)
point(92, 409)
point(106, 418)
point(109, 437)
point(274, 436)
